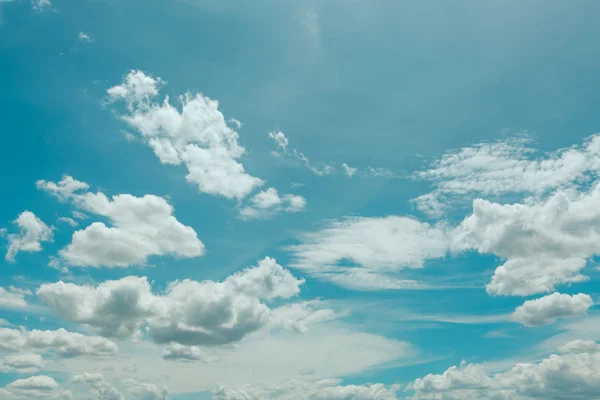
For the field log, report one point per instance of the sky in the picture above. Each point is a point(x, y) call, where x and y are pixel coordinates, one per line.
point(318, 200)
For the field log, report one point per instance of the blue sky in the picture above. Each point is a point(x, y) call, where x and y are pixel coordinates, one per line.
point(389, 199)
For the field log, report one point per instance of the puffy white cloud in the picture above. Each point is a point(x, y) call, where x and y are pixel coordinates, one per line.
point(22, 363)
point(13, 297)
point(547, 309)
point(179, 352)
point(326, 389)
point(267, 203)
point(299, 316)
point(571, 376)
point(144, 390)
point(33, 231)
point(579, 346)
point(62, 342)
point(504, 167)
point(100, 388)
point(348, 170)
point(371, 248)
point(140, 227)
point(197, 136)
point(34, 387)
point(189, 312)
point(544, 242)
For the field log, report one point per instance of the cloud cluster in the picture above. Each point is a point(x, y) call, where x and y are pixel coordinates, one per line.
point(34, 387)
point(505, 167)
point(13, 297)
point(22, 363)
point(326, 389)
point(189, 312)
point(198, 136)
point(61, 342)
point(140, 227)
point(33, 231)
point(544, 242)
point(547, 309)
point(267, 203)
point(569, 376)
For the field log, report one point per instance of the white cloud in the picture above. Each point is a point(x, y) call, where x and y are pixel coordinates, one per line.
point(299, 316)
point(179, 352)
point(189, 312)
point(197, 136)
point(34, 387)
point(22, 363)
point(547, 309)
point(579, 346)
point(33, 231)
point(571, 376)
point(147, 391)
point(41, 5)
point(544, 242)
point(348, 170)
point(141, 227)
point(100, 388)
point(326, 389)
point(64, 343)
point(13, 297)
point(69, 221)
point(267, 203)
point(504, 167)
point(84, 37)
point(372, 248)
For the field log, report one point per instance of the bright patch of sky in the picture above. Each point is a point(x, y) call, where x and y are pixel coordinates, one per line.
point(284, 200)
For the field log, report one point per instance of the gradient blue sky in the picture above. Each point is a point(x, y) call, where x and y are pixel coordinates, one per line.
point(391, 85)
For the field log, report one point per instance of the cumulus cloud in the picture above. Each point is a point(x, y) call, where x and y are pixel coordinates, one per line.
point(99, 387)
point(61, 342)
point(22, 363)
point(547, 309)
point(326, 389)
point(267, 203)
point(505, 167)
point(300, 316)
point(544, 242)
point(41, 5)
point(144, 390)
point(570, 376)
point(189, 312)
point(33, 231)
point(179, 352)
point(34, 387)
point(84, 37)
point(13, 297)
point(371, 248)
point(197, 136)
point(579, 346)
point(140, 227)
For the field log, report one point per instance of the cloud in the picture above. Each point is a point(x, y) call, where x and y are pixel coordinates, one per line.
point(33, 231)
point(321, 169)
point(544, 242)
point(102, 389)
point(22, 363)
point(570, 376)
point(13, 297)
point(189, 312)
point(505, 167)
point(178, 352)
point(547, 309)
point(147, 391)
point(579, 346)
point(299, 316)
point(372, 248)
point(34, 387)
point(141, 227)
point(267, 203)
point(41, 5)
point(84, 38)
point(326, 389)
point(62, 342)
point(69, 221)
point(198, 136)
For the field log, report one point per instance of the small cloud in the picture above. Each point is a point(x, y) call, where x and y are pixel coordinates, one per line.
point(69, 221)
point(348, 170)
point(85, 38)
